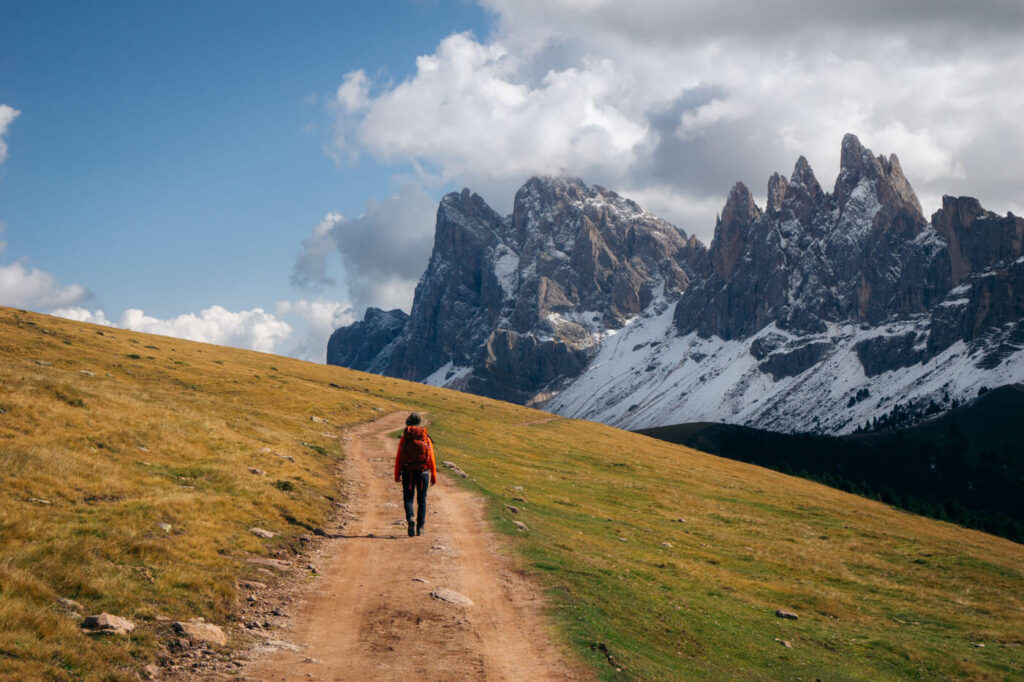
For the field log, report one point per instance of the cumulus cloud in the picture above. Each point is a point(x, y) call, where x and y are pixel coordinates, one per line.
point(7, 116)
point(80, 314)
point(22, 286)
point(683, 98)
point(383, 252)
point(319, 318)
point(253, 329)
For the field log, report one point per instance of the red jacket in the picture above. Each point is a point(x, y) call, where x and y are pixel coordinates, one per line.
point(430, 457)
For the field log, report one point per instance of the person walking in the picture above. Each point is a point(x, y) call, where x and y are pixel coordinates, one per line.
point(416, 470)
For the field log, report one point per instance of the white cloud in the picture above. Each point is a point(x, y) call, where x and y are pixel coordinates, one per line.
point(253, 329)
point(7, 116)
point(318, 320)
point(25, 287)
point(383, 252)
point(686, 97)
point(299, 328)
point(80, 314)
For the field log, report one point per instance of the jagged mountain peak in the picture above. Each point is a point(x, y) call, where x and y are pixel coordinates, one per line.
point(882, 176)
point(794, 314)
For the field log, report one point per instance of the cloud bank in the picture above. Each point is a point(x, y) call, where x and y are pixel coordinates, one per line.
point(674, 101)
point(382, 252)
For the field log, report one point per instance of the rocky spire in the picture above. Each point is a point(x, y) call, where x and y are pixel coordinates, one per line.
point(857, 164)
point(732, 230)
point(777, 186)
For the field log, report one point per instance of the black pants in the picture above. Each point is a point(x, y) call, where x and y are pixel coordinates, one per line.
point(415, 483)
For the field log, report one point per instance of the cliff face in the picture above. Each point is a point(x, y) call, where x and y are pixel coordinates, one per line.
point(510, 305)
point(815, 312)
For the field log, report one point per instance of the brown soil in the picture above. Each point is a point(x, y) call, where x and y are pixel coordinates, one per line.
point(370, 615)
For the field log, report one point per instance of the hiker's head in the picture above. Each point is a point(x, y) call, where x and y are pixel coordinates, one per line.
point(413, 420)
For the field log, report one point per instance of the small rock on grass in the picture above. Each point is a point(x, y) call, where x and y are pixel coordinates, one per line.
point(261, 532)
point(455, 469)
point(200, 631)
point(151, 671)
point(521, 526)
point(70, 604)
point(784, 643)
point(106, 622)
point(257, 472)
point(319, 420)
point(514, 510)
point(786, 614)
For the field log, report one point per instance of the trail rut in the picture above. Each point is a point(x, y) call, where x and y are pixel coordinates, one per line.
point(371, 615)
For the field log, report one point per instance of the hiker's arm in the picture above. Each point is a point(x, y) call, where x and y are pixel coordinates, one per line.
point(433, 465)
point(398, 461)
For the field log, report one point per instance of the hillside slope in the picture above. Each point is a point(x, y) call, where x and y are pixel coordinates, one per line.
point(659, 560)
point(966, 465)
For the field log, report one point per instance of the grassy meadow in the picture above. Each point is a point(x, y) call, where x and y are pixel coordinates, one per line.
point(125, 485)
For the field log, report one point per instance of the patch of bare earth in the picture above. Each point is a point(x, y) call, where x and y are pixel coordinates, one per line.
point(372, 615)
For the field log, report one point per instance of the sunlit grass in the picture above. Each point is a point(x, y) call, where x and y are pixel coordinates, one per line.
point(107, 434)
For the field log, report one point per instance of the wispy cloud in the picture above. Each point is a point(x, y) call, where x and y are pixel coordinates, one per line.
point(7, 116)
point(382, 252)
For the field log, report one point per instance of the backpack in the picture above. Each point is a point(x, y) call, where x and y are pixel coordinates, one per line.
point(415, 449)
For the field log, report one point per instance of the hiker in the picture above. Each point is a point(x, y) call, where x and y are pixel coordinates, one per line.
point(415, 468)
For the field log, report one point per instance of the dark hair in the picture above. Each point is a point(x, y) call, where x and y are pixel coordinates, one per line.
point(412, 420)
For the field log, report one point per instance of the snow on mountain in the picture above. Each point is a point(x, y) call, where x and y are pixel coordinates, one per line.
point(819, 312)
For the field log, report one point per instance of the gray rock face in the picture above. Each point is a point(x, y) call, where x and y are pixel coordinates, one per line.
point(510, 305)
point(859, 253)
point(819, 297)
point(362, 343)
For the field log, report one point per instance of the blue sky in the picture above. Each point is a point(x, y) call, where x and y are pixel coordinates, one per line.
point(171, 155)
point(174, 158)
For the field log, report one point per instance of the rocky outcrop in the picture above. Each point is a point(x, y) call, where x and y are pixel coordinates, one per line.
point(362, 344)
point(510, 305)
point(816, 312)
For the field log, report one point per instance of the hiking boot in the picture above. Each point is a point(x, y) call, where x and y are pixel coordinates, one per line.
point(412, 528)
point(419, 530)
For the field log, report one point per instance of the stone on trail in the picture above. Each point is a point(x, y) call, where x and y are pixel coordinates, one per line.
point(106, 622)
point(198, 630)
point(451, 596)
point(420, 580)
point(786, 614)
point(261, 532)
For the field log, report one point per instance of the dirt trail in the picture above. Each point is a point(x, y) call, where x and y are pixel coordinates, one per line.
point(371, 616)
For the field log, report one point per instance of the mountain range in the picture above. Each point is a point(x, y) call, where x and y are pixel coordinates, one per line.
point(820, 311)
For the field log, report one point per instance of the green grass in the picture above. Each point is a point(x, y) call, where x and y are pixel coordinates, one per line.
point(168, 438)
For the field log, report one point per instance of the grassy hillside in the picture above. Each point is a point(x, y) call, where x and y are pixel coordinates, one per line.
point(660, 561)
point(965, 466)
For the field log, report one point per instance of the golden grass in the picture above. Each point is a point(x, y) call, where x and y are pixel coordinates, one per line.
point(163, 431)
